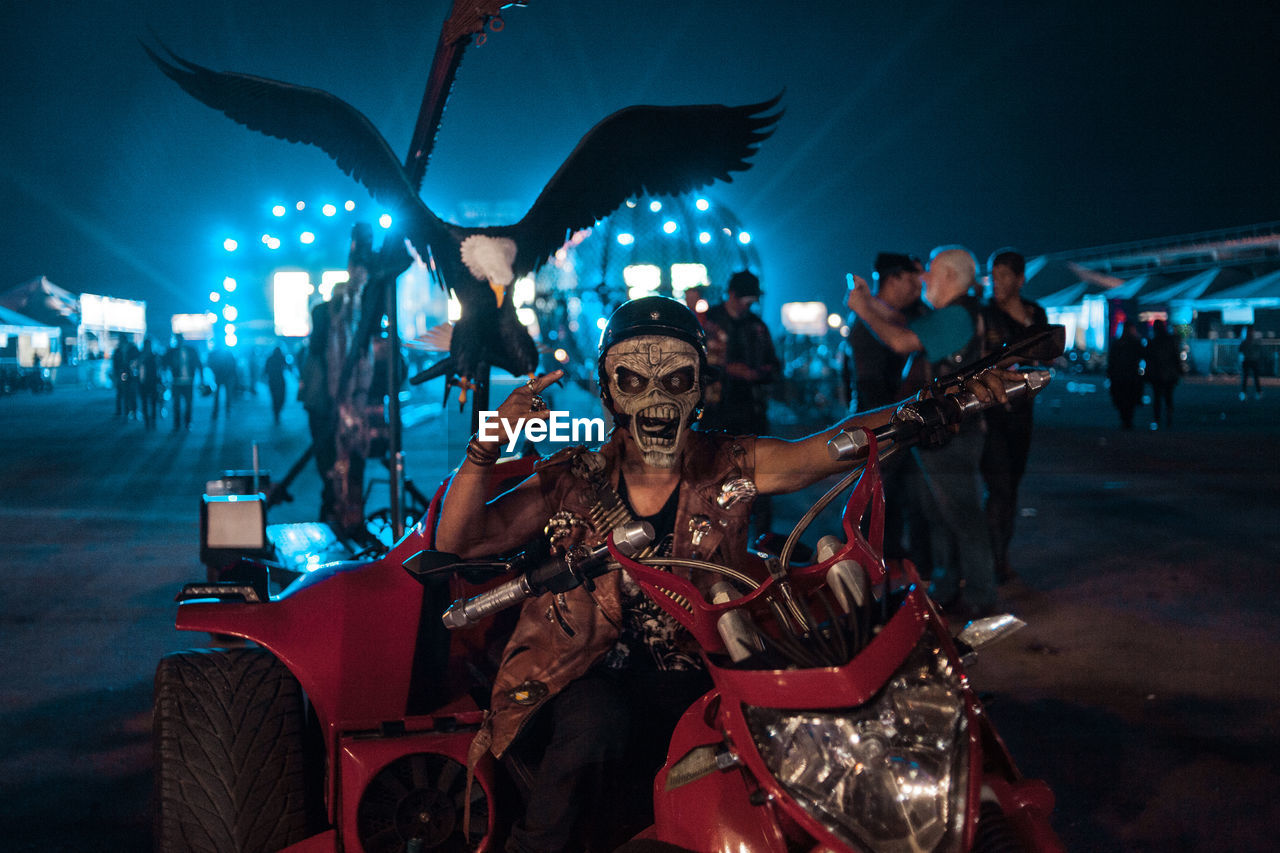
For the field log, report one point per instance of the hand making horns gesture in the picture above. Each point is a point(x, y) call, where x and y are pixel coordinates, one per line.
point(524, 403)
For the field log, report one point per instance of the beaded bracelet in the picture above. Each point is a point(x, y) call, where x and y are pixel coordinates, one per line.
point(481, 455)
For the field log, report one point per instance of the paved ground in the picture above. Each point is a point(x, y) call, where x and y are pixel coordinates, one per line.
point(1145, 690)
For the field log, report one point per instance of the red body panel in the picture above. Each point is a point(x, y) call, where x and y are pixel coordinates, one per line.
point(328, 627)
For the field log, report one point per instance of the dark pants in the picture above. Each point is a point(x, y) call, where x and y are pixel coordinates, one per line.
point(150, 405)
point(906, 530)
point(1125, 396)
point(1162, 399)
point(1004, 461)
point(219, 390)
point(1247, 367)
point(963, 568)
point(594, 750)
point(277, 396)
point(182, 396)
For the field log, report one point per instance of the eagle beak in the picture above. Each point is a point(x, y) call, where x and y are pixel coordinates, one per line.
point(499, 291)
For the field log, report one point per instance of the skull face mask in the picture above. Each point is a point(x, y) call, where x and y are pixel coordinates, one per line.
point(654, 385)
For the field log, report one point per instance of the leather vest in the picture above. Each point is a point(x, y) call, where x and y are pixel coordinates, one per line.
point(559, 637)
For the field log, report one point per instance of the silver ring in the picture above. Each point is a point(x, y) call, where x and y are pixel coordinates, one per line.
point(530, 383)
point(537, 404)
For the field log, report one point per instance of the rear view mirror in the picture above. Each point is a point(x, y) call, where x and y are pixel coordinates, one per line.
point(424, 564)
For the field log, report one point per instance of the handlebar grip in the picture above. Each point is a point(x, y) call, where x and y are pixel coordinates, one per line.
point(630, 538)
point(463, 613)
point(949, 409)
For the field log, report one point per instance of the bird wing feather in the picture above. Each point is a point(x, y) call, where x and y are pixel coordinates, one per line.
point(641, 150)
point(299, 114)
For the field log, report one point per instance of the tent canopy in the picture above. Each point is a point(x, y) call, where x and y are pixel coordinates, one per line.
point(1262, 292)
point(45, 301)
point(11, 322)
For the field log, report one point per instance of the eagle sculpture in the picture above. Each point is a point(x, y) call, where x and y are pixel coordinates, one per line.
point(638, 150)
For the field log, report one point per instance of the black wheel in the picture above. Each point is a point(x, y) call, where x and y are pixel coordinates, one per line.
point(231, 754)
point(644, 845)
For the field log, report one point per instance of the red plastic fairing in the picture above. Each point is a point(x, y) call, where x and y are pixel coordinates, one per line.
point(681, 815)
point(831, 687)
point(346, 631)
point(847, 686)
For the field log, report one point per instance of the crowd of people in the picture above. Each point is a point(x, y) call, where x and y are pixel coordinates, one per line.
point(950, 509)
point(149, 383)
point(1136, 360)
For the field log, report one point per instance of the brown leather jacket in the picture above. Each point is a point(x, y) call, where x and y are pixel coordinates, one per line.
point(542, 657)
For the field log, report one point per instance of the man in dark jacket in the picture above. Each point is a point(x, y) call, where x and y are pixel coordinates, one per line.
point(873, 374)
point(183, 363)
point(1124, 372)
point(1008, 443)
point(739, 344)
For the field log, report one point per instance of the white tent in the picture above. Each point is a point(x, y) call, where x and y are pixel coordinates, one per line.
point(22, 339)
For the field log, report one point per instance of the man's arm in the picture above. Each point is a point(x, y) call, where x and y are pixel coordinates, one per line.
point(784, 466)
point(470, 524)
point(884, 321)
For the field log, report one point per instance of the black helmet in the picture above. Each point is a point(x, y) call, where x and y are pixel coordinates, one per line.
point(654, 315)
point(651, 315)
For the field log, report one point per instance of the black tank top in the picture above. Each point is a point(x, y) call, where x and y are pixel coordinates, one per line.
point(650, 638)
point(663, 521)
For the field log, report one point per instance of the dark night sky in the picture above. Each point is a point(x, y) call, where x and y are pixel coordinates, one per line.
point(1045, 126)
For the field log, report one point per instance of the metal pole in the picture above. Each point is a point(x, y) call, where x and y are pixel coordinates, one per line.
point(393, 411)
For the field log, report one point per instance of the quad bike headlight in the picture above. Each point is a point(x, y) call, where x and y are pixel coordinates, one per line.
point(889, 775)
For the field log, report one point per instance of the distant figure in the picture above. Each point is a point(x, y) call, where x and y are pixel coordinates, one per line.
point(222, 363)
point(696, 298)
point(873, 377)
point(1008, 442)
point(131, 359)
point(1250, 362)
point(940, 342)
point(122, 377)
point(149, 384)
point(1124, 372)
point(274, 369)
point(333, 386)
point(873, 371)
point(1164, 369)
point(740, 347)
point(183, 363)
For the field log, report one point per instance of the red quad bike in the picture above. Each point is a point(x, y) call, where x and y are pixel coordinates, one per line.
point(841, 717)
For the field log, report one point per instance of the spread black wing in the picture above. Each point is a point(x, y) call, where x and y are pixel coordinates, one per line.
point(300, 114)
point(636, 151)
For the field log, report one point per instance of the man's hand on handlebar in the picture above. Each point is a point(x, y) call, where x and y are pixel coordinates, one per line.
point(989, 386)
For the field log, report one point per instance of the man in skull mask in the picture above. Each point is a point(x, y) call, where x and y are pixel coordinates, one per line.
point(587, 674)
